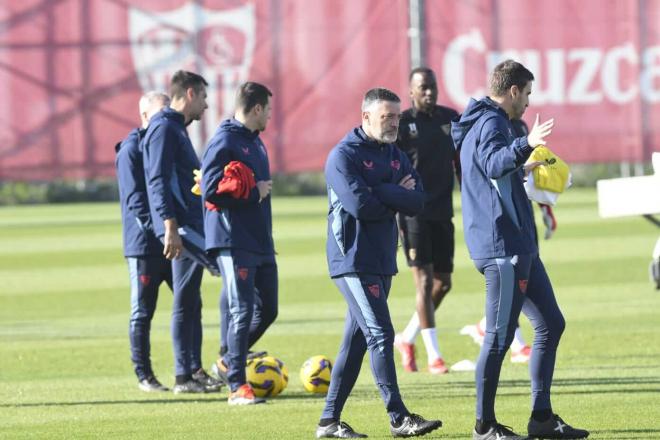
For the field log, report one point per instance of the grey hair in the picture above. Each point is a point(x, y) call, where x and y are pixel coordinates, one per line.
point(151, 99)
point(378, 94)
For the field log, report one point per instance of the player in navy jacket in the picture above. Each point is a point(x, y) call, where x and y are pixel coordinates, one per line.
point(239, 223)
point(520, 351)
point(499, 232)
point(369, 180)
point(148, 268)
point(169, 161)
point(239, 233)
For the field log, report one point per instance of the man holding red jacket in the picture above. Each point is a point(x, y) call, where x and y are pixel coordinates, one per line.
point(238, 229)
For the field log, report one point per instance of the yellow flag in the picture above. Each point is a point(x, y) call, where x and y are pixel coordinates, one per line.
point(196, 189)
point(553, 174)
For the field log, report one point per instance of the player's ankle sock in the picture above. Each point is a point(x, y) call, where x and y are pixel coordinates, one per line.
point(326, 422)
point(430, 337)
point(482, 324)
point(518, 340)
point(412, 330)
point(396, 422)
point(182, 378)
point(541, 415)
point(482, 426)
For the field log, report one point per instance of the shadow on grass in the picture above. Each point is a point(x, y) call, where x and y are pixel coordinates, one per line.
point(572, 386)
point(628, 433)
point(221, 399)
point(559, 382)
point(654, 359)
point(454, 390)
point(298, 321)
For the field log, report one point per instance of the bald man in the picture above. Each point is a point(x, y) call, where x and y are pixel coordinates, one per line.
point(147, 266)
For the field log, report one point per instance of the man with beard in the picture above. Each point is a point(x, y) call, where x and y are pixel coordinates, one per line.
point(169, 162)
point(238, 227)
point(369, 180)
point(499, 232)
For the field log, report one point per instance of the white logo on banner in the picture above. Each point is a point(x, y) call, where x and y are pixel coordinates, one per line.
point(576, 75)
point(219, 45)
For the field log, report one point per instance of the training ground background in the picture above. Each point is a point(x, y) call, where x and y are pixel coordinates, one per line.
point(65, 370)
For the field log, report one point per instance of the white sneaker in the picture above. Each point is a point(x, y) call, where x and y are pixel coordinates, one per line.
point(244, 395)
point(521, 355)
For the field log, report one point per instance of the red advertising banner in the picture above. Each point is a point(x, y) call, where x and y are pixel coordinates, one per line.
point(596, 65)
point(72, 71)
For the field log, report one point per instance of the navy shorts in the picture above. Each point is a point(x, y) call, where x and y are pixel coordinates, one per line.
point(428, 242)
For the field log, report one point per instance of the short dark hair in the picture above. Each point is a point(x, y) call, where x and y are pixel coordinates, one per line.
point(182, 80)
point(378, 94)
point(421, 69)
point(507, 74)
point(250, 94)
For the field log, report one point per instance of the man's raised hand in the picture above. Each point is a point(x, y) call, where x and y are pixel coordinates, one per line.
point(539, 131)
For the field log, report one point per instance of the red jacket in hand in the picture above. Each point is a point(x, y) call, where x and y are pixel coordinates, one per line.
point(237, 182)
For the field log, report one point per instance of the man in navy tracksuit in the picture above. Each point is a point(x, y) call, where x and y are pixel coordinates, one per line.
point(239, 232)
point(169, 161)
point(147, 266)
point(499, 232)
point(369, 180)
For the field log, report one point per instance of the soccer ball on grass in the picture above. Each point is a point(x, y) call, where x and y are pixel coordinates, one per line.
point(265, 377)
point(315, 374)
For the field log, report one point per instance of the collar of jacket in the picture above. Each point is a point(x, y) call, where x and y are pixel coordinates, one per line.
point(243, 129)
point(415, 111)
point(367, 141)
point(137, 132)
point(496, 106)
point(172, 115)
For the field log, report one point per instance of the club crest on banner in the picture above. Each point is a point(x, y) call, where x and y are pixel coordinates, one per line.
point(217, 44)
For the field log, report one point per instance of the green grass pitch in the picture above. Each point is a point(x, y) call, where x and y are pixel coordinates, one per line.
point(65, 371)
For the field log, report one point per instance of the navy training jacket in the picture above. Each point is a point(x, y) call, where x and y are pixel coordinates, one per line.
point(497, 215)
point(362, 177)
point(137, 228)
point(245, 224)
point(169, 161)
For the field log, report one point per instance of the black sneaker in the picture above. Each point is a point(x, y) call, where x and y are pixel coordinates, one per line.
point(337, 430)
point(190, 386)
point(554, 427)
point(498, 432)
point(219, 370)
point(151, 385)
point(210, 384)
point(414, 425)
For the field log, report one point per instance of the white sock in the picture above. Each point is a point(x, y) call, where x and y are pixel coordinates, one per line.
point(430, 338)
point(412, 330)
point(518, 340)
